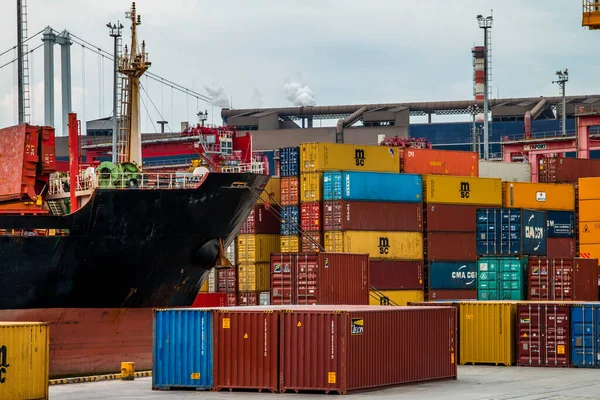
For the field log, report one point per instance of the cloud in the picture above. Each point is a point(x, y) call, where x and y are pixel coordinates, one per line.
point(257, 100)
point(218, 96)
point(299, 94)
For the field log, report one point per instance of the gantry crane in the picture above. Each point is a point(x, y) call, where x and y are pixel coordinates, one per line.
point(591, 14)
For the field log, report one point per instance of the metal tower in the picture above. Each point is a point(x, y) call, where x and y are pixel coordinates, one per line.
point(115, 32)
point(486, 25)
point(23, 94)
point(563, 78)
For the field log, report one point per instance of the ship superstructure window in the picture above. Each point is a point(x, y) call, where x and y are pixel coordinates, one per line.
point(227, 146)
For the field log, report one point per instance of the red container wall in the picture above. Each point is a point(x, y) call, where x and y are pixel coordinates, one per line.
point(451, 246)
point(247, 299)
point(567, 170)
point(20, 157)
point(290, 191)
point(246, 349)
point(440, 162)
point(226, 281)
point(210, 300)
point(262, 220)
point(397, 275)
point(561, 248)
point(311, 219)
point(562, 279)
point(231, 299)
point(439, 295)
point(366, 347)
point(48, 150)
point(311, 241)
point(543, 335)
point(451, 218)
point(372, 216)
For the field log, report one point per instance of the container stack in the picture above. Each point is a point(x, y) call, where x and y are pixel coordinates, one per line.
point(589, 217)
point(290, 198)
point(220, 287)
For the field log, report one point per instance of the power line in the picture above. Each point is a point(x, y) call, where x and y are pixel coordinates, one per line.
point(156, 108)
point(146, 108)
point(15, 59)
point(24, 41)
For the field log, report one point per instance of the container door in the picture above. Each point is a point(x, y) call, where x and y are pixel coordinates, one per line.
point(557, 334)
point(307, 281)
point(282, 282)
point(529, 335)
point(539, 279)
point(584, 335)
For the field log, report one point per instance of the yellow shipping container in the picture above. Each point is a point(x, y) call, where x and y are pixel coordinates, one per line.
point(253, 277)
point(589, 250)
point(272, 188)
point(378, 244)
point(441, 189)
point(289, 244)
point(589, 188)
point(310, 186)
point(589, 232)
point(256, 248)
point(589, 210)
point(539, 196)
point(487, 332)
point(24, 360)
point(348, 157)
point(204, 287)
point(399, 297)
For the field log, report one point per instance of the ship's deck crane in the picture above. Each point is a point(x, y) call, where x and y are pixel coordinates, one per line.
point(590, 14)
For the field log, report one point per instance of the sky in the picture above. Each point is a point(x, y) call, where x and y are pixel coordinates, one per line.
point(263, 53)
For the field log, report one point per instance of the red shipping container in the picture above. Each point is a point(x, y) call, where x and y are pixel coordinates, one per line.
point(341, 215)
point(562, 279)
point(365, 347)
point(248, 298)
point(290, 191)
point(567, 170)
point(454, 294)
point(543, 335)
point(440, 162)
point(210, 300)
point(397, 275)
point(246, 346)
point(310, 217)
point(226, 280)
point(451, 218)
point(48, 150)
point(19, 147)
point(561, 248)
point(262, 220)
point(231, 299)
point(319, 278)
point(311, 242)
point(451, 246)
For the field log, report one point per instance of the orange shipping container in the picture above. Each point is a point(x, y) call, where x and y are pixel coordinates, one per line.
point(539, 196)
point(289, 191)
point(440, 162)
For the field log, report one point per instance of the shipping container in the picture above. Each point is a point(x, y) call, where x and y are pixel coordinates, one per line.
point(395, 297)
point(350, 157)
point(589, 188)
point(589, 251)
point(264, 298)
point(454, 275)
point(563, 279)
point(539, 196)
point(290, 191)
point(204, 300)
point(204, 287)
point(451, 218)
point(589, 232)
point(256, 248)
point(290, 220)
point(182, 350)
point(372, 186)
point(289, 161)
point(253, 277)
point(319, 278)
point(501, 278)
point(487, 332)
point(446, 295)
point(561, 248)
point(289, 244)
point(48, 149)
point(311, 242)
point(589, 210)
point(245, 299)
point(561, 224)
point(212, 280)
point(230, 252)
point(462, 190)
point(363, 348)
point(396, 275)
point(246, 348)
point(585, 335)
point(271, 193)
point(378, 244)
point(440, 162)
point(311, 218)
point(24, 358)
point(311, 184)
point(451, 246)
point(507, 171)
point(543, 335)
point(226, 280)
point(342, 215)
point(262, 219)
point(566, 170)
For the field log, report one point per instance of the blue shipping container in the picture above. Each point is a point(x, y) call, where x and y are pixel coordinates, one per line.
point(453, 275)
point(290, 218)
point(585, 335)
point(561, 224)
point(289, 161)
point(372, 186)
point(182, 349)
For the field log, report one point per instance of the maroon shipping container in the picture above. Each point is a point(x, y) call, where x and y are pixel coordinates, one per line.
point(210, 300)
point(451, 218)
point(246, 348)
point(19, 147)
point(372, 216)
point(310, 217)
point(48, 150)
point(543, 335)
point(311, 242)
point(248, 298)
point(397, 275)
point(263, 219)
point(290, 192)
point(567, 170)
point(562, 279)
point(226, 280)
point(319, 278)
point(451, 246)
point(365, 347)
point(561, 248)
point(454, 294)
point(231, 299)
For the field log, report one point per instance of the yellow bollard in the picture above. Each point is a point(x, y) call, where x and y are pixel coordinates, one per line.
point(127, 371)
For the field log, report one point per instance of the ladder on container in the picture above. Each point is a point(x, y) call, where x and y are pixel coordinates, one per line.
point(55, 207)
point(125, 116)
point(381, 298)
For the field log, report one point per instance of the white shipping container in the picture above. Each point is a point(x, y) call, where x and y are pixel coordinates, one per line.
point(264, 298)
point(508, 172)
point(212, 281)
point(230, 252)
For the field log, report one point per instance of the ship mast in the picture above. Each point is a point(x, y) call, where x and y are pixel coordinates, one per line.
point(132, 65)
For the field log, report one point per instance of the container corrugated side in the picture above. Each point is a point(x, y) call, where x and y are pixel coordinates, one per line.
point(262, 219)
point(253, 277)
point(451, 218)
point(20, 158)
point(508, 172)
point(539, 196)
point(311, 242)
point(462, 190)
point(24, 360)
point(440, 162)
point(289, 244)
point(311, 216)
point(310, 186)
point(290, 191)
point(396, 275)
point(256, 248)
point(372, 186)
point(271, 193)
point(561, 224)
point(378, 244)
point(395, 297)
point(562, 279)
point(245, 299)
point(452, 275)
point(182, 351)
point(350, 157)
point(290, 220)
point(453, 295)
point(563, 170)
point(561, 248)
point(289, 161)
point(585, 335)
point(451, 246)
point(589, 232)
point(501, 278)
point(589, 210)
point(588, 188)
point(340, 215)
point(204, 300)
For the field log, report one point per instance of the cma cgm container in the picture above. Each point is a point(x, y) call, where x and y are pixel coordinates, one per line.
point(289, 161)
point(24, 359)
point(453, 275)
point(271, 193)
point(349, 157)
point(451, 218)
point(311, 217)
point(182, 349)
point(543, 335)
point(440, 162)
point(501, 278)
point(573, 279)
point(342, 215)
point(462, 190)
point(319, 278)
point(378, 244)
point(372, 186)
point(566, 170)
point(396, 275)
point(290, 220)
point(310, 186)
point(360, 348)
point(585, 335)
point(561, 224)
point(507, 171)
point(262, 219)
point(539, 196)
point(451, 246)
point(290, 191)
point(256, 248)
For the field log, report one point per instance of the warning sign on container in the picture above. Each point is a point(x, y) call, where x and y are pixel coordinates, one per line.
point(560, 349)
point(331, 378)
point(586, 228)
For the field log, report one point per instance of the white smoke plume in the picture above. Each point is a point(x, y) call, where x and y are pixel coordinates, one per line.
point(299, 94)
point(218, 96)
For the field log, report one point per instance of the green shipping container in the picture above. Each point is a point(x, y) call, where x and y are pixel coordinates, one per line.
point(501, 278)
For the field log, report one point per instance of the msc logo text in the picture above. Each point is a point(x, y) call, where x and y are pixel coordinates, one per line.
point(384, 245)
point(359, 157)
point(465, 190)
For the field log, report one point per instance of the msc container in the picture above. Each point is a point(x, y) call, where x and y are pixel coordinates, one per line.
point(204, 300)
point(396, 275)
point(585, 335)
point(561, 224)
point(256, 248)
point(350, 157)
point(487, 332)
point(372, 186)
point(262, 219)
point(226, 280)
point(361, 348)
point(445, 295)
point(462, 190)
point(290, 220)
point(378, 244)
point(289, 244)
point(395, 297)
point(310, 186)
point(440, 162)
point(290, 191)
point(319, 278)
point(248, 299)
point(589, 232)
point(24, 358)
point(539, 196)
point(563, 279)
point(507, 171)
point(451, 246)
point(561, 248)
point(246, 348)
point(311, 242)
point(311, 219)
point(501, 278)
point(452, 275)
point(566, 170)
point(182, 349)
point(289, 161)
point(271, 193)
point(543, 335)
point(451, 218)
point(588, 188)
point(253, 277)
point(589, 210)
point(342, 215)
